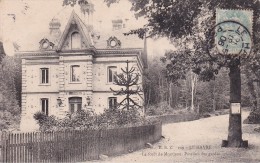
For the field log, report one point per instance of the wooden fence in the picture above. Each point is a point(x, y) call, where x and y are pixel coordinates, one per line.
point(74, 146)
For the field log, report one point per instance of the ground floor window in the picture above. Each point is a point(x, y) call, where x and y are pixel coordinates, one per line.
point(75, 104)
point(45, 106)
point(112, 102)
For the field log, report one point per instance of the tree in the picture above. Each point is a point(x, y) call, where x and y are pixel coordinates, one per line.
point(128, 79)
point(187, 24)
point(9, 107)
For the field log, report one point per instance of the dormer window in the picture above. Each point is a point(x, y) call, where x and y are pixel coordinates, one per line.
point(113, 42)
point(75, 40)
point(45, 44)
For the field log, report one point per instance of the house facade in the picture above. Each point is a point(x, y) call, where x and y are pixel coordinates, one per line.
point(74, 69)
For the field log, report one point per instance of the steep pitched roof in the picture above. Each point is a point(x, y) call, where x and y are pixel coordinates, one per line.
point(84, 31)
point(130, 41)
point(94, 38)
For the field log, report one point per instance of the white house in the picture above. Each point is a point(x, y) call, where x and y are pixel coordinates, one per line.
point(73, 69)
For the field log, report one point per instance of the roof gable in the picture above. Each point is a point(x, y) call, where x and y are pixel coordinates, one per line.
point(75, 25)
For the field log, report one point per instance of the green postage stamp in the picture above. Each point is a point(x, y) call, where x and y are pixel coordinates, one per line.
point(234, 31)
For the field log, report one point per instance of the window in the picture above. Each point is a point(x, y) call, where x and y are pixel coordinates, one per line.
point(75, 104)
point(44, 75)
point(75, 73)
point(112, 102)
point(111, 74)
point(45, 106)
point(75, 41)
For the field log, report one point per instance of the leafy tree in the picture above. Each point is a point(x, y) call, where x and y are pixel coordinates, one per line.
point(9, 107)
point(155, 82)
point(187, 24)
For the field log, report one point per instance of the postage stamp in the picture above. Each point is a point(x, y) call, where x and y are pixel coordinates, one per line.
point(85, 80)
point(234, 31)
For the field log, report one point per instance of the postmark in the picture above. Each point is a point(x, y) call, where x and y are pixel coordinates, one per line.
point(233, 38)
point(233, 32)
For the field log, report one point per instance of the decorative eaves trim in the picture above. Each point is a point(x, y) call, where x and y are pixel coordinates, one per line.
point(92, 51)
point(119, 51)
point(37, 53)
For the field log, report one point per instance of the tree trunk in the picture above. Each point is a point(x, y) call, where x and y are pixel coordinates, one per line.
point(214, 97)
point(234, 128)
point(149, 96)
point(193, 85)
point(257, 97)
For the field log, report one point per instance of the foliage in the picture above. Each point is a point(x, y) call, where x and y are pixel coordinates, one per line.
point(45, 121)
point(154, 83)
point(8, 120)
point(163, 97)
point(129, 81)
point(187, 24)
point(18, 78)
point(253, 118)
point(9, 106)
point(120, 117)
point(213, 95)
point(40, 117)
point(257, 129)
point(159, 109)
point(84, 119)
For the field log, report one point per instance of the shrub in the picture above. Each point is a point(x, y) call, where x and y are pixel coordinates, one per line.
point(257, 129)
point(45, 122)
point(120, 117)
point(253, 118)
point(40, 117)
point(111, 118)
point(160, 109)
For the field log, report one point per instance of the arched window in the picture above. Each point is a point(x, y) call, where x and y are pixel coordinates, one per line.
point(75, 40)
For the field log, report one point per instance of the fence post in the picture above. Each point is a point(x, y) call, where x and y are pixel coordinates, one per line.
point(3, 147)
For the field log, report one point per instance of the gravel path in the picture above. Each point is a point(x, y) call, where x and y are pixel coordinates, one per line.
point(197, 141)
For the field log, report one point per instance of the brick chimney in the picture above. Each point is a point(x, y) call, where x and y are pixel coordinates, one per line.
point(55, 27)
point(117, 24)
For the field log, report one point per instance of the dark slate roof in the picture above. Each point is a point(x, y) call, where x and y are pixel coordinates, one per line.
point(131, 41)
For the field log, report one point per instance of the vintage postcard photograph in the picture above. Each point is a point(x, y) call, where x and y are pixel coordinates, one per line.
point(129, 81)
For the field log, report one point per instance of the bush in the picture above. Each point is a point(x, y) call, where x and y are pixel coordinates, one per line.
point(119, 117)
point(45, 122)
point(160, 109)
point(111, 118)
point(253, 118)
point(257, 129)
point(40, 117)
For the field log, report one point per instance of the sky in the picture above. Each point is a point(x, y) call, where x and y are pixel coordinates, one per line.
point(21, 20)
